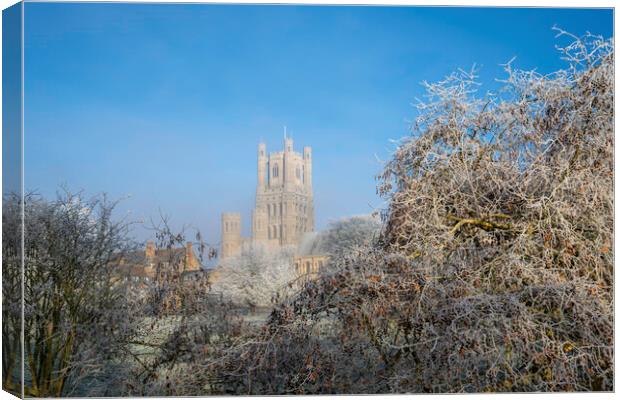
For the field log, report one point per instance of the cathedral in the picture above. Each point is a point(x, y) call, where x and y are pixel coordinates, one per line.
point(284, 209)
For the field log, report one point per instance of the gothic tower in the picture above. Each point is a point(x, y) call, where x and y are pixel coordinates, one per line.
point(231, 234)
point(284, 209)
point(284, 206)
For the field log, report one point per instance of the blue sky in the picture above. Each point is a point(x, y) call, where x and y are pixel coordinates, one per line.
point(11, 95)
point(167, 103)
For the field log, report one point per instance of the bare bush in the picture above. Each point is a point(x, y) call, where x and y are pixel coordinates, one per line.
point(506, 204)
point(12, 279)
point(75, 315)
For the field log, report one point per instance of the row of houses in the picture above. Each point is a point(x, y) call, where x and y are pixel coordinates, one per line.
point(182, 266)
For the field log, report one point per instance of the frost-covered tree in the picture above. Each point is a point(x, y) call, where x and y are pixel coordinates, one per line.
point(257, 276)
point(348, 234)
point(76, 316)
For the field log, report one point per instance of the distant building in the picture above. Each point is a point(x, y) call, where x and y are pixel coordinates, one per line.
point(284, 209)
point(310, 265)
point(152, 263)
point(173, 268)
point(310, 258)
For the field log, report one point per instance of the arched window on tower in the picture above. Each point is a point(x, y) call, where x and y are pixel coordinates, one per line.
point(275, 171)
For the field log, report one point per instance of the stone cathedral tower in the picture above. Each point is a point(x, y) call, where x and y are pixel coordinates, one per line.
point(284, 209)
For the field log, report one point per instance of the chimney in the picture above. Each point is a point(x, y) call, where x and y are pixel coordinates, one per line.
point(150, 249)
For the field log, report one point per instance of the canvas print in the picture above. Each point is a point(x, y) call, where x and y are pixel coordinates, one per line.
point(234, 199)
